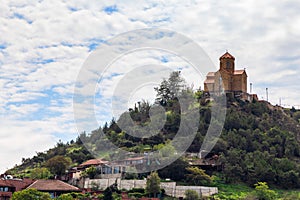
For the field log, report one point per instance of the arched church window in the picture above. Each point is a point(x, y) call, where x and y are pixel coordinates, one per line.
point(227, 64)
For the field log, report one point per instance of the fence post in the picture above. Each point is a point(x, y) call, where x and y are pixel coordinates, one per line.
point(200, 192)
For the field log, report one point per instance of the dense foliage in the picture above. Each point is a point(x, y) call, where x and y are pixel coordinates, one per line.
point(30, 194)
point(259, 141)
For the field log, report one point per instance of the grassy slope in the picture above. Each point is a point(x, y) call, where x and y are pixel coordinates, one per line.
point(242, 191)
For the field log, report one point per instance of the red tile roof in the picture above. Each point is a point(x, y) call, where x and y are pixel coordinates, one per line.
point(210, 74)
point(227, 55)
point(209, 81)
point(94, 162)
point(4, 183)
point(135, 158)
point(52, 185)
point(20, 184)
point(240, 71)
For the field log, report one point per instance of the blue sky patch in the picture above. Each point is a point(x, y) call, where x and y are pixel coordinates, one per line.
point(73, 9)
point(111, 9)
point(46, 46)
point(93, 46)
point(42, 61)
point(114, 75)
point(44, 101)
point(2, 46)
point(94, 43)
point(166, 19)
point(67, 44)
point(19, 16)
point(151, 6)
point(22, 17)
point(164, 59)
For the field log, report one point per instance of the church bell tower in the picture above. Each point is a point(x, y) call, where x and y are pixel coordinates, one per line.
point(227, 63)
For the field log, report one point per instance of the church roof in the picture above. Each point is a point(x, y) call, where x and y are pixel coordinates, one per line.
point(240, 71)
point(210, 74)
point(227, 55)
point(207, 81)
point(210, 77)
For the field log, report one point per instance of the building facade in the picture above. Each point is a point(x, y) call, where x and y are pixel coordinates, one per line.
point(226, 79)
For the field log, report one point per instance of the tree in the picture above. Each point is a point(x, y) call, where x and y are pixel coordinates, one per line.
point(166, 150)
point(175, 171)
point(90, 172)
point(263, 192)
point(153, 184)
point(58, 164)
point(40, 173)
point(198, 176)
point(131, 173)
point(170, 89)
point(30, 194)
point(74, 196)
point(296, 116)
point(191, 195)
point(65, 197)
point(112, 192)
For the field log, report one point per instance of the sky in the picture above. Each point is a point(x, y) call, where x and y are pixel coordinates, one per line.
point(44, 45)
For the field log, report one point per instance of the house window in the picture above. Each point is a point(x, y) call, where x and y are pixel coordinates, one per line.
point(52, 195)
point(116, 170)
point(109, 170)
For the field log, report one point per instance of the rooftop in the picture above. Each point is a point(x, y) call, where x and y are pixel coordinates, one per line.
point(227, 55)
point(52, 185)
point(240, 71)
point(94, 162)
point(5, 183)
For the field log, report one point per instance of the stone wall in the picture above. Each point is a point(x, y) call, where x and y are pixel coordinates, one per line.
point(201, 190)
point(170, 187)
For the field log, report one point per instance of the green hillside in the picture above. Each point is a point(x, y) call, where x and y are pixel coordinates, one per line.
point(259, 141)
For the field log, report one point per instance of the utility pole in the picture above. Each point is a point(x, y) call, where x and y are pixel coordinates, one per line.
point(250, 88)
point(267, 95)
point(279, 101)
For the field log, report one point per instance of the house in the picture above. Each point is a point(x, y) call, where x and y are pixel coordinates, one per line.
point(227, 79)
point(54, 187)
point(6, 190)
point(20, 184)
point(105, 169)
point(134, 161)
point(9, 186)
point(92, 162)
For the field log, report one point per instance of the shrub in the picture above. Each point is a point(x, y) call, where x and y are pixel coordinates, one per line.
point(191, 195)
point(136, 194)
point(263, 192)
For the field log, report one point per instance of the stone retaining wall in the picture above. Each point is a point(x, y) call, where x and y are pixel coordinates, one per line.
point(170, 187)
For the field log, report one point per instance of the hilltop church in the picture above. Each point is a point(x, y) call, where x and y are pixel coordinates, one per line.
point(227, 79)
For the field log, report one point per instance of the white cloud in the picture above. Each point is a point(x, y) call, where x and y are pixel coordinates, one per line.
point(21, 140)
